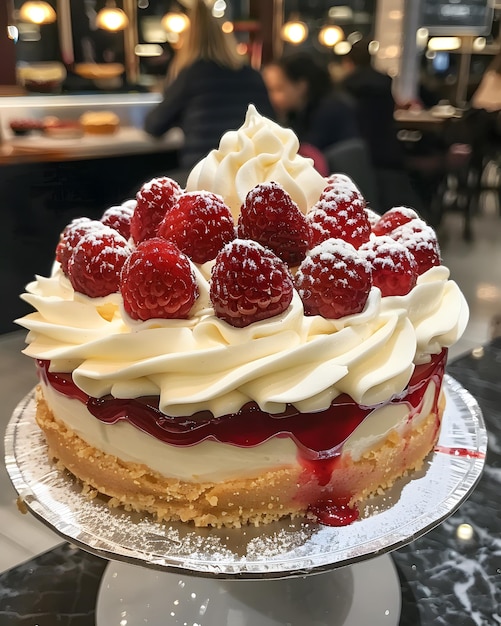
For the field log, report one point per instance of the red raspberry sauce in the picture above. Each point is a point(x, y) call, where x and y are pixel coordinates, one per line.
point(319, 435)
point(333, 512)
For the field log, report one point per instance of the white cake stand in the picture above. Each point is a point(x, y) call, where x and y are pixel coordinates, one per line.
point(177, 574)
point(363, 593)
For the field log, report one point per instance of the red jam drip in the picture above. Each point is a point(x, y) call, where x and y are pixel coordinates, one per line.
point(319, 435)
point(333, 513)
point(461, 452)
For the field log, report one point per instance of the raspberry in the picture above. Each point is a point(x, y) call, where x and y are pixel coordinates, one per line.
point(270, 217)
point(154, 199)
point(421, 240)
point(95, 264)
point(394, 269)
point(335, 181)
point(118, 217)
point(334, 280)
point(249, 283)
point(339, 214)
point(200, 225)
point(158, 281)
point(70, 237)
point(393, 218)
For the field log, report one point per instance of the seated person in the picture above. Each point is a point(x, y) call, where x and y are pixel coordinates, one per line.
point(372, 92)
point(305, 100)
point(209, 91)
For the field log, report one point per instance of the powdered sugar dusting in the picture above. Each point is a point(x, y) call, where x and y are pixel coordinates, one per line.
point(405, 211)
point(334, 280)
point(372, 216)
point(119, 210)
point(210, 200)
point(394, 268)
point(418, 232)
point(393, 218)
point(334, 248)
point(130, 204)
point(96, 261)
point(342, 188)
point(383, 247)
point(249, 283)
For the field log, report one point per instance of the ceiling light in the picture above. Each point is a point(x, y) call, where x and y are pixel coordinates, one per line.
point(148, 50)
point(111, 18)
point(444, 43)
point(294, 31)
point(465, 532)
point(355, 36)
point(330, 35)
point(12, 33)
point(219, 8)
point(242, 48)
point(342, 48)
point(175, 22)
point(341, 13)
point(422, 35)
point(37, 12)
point(479, 44)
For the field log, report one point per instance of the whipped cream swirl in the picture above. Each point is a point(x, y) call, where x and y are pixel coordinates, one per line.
point(258, 152)
point(204, 363)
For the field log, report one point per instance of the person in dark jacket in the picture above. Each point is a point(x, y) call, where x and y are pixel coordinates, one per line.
point(209, 90)
point(304, 98)
point(372, 92)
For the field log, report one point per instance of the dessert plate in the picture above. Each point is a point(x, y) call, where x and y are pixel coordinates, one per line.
point(282, 549)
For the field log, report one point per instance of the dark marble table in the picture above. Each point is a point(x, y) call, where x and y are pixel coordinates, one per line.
point(451, 576)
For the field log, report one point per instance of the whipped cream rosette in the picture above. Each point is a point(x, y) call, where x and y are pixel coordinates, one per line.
point(258, 152)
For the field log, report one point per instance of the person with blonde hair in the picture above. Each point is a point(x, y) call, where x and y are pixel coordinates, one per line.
point(209, 88)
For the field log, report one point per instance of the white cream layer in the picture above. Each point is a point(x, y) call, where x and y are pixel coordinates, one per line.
point(204, 363)
point(210, 460)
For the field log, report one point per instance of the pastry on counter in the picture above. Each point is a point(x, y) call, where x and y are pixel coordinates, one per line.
point(100, 122)
point(41, 77)
point(62, 129)
point(24, 126)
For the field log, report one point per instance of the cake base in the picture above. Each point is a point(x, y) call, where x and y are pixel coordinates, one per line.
point(284, 491)
point(363, 593)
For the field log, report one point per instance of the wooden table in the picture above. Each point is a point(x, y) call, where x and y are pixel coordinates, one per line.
point(425, 120)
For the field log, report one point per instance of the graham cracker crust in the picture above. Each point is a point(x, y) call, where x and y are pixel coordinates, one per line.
point(272, 495)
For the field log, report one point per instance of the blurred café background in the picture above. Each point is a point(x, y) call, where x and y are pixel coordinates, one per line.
point(62, 59)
